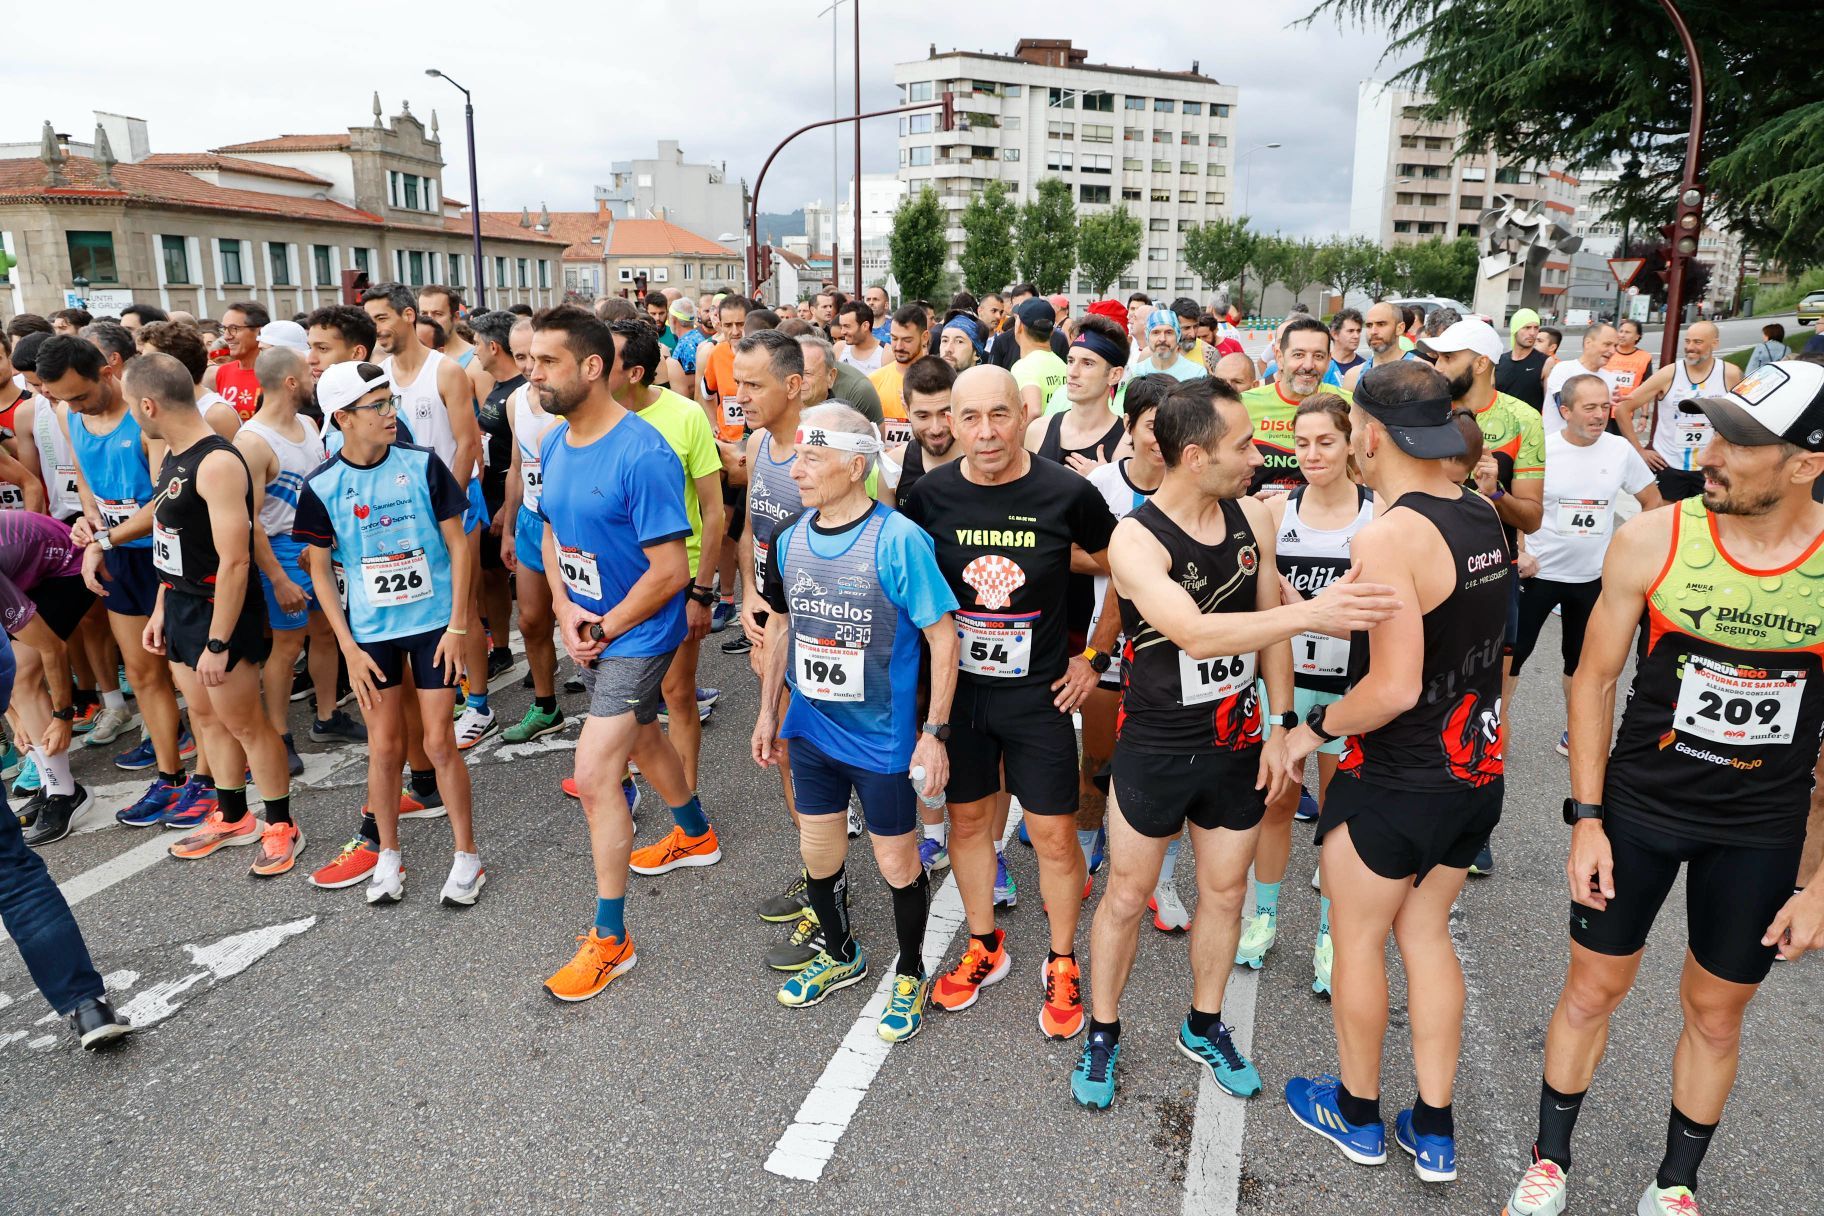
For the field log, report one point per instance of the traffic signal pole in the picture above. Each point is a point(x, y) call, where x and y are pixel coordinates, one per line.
point(1687, 226)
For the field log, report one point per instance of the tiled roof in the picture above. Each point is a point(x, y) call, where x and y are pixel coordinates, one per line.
point(497, 226)
point(23, 180)
point(338, 142)
point(620, 238)
point(232, 164)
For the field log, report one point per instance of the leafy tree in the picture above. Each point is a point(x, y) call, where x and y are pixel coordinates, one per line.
point(1382, 273)
point(1347, 263)
point(1045, 239)
point(1218, 252)
point(1300, 260)
point(916, 246)
point(987, 257)
point(1525, 79)
point(1272, 260)
point(1437, 267)
point(1108, 243)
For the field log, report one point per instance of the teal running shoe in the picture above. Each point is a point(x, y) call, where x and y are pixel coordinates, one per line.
point(905, 1008)
point(1231, 1071)
point(1092, 1081)
point(824, 976)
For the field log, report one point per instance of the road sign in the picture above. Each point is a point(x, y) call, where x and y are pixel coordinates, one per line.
point(1624, 269)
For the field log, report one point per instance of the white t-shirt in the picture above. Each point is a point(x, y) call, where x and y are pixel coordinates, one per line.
point(1581, 486)
point(1554, 384)
point(1121, 496)
point(868, 365)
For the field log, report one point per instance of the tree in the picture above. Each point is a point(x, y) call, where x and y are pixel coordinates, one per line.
point(1697, 274)
point(1045, 240)
point(1529, 86)
point(987, 258)
point(1347, 263)
point(1437, 267)
point(1271, 260)
point(1300, 260)
point(1108, 243)
point(1218, 252)
point(916, 246)
point(1382, 273)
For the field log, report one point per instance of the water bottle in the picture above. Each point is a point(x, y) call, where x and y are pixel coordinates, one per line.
point(918, 787)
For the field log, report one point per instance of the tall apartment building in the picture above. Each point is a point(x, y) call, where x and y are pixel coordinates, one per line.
point(881, 195)
point(701, 198)
point(1158, 141)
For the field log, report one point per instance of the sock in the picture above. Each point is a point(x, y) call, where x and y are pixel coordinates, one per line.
point(939, 832)
point(501, 652)
point(1110, 1029)
point(113, 699)
point(911, 906)
point(829, 899)
point(231, 803)
point(477, 701)
point(547, 705)
point(85, 697)
point(204, 780)
point(1432, 1120)
point(289, 746)
point(1086, 840)
point(690, 817)
point(370, 831)
point(1266, 899)
point(1323, 914)
point(278, 810)
point(1204, 1024)
point(1557, 1117)
point(56, 771)
point(1052, 956)
point(424, 782)
point(991, 940)
point(608, 918)
point(1169, 866)
point(176, 778)
point(1686, 1143)
point(1357, 1112)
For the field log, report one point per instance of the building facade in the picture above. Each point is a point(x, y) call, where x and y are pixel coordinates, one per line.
point(1157, 141)
point(605, 255)
point(881, 195)
point(700, 198)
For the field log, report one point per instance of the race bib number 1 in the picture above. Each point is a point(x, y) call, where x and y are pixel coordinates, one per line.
point(998, 646)
point(579, 572)
point(1319, 654)
point(829, 672)
point(1201, 681)
point(1718, 702)
point(395, 579)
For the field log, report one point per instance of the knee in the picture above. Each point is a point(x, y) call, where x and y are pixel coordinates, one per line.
point(1223, 897)
point(1589, 1000)
point(1717, 1027)
point(1056, 846)
point(969, 825)
point(1125, 899)
point(440, 746)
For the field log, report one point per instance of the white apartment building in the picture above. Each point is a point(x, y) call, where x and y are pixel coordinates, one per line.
point(881, 195)
point(1158, 141)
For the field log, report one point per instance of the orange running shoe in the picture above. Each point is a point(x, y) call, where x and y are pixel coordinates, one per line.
point(675, 851)
point(217, 833)
point(280, 845)
point(352, 865)
point(1061, 1016)
point(570, 789)
point(598, 960)
point(979, 968)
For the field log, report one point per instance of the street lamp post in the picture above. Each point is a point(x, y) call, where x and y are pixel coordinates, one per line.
point(468, 113)
point(1241, 162)
point(835, 144)
point(1687, 225)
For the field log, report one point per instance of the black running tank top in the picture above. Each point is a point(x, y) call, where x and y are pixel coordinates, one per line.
point(183, 545)
point(1052, 446)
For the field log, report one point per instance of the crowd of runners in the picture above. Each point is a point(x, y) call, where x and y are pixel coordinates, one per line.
point(1112, 572)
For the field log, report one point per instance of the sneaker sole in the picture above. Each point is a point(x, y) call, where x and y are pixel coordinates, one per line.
point(1092, 1103)
point(429, 812)
point(1359, 1158)
point(492, 728)
point(334, 737)
point(1165, 928)
point(277, 868)
point(1009, 901)
point(1055, 1037)
point(383, 897)
point(680, 863)
point(101, 1036)
point(541, 732)
point(1204, 1064)
point(794, 914)
point(993, 977)
point(1427, 1175)
point(182, 827)
point(790, 968)
point(215, 846)
point(341, 883)
point(910, 1034)
point(44, 840)
point(825, 992)
point(457, 901)
point(619, 969)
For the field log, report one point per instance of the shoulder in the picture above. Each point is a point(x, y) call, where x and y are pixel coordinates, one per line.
point(1259, 516)
point(450, 374)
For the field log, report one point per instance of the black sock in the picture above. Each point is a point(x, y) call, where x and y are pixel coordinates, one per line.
point(278, 810)
point(176, 778)
point(1202, 1023)
point(1052, 956)
point(424, 782)
point(991, 940)
point(1686, 1143)
point(829, 899)
point(370, 831)
point(1111, 1029)
point(1557, 1117)
point(1432, 1120)
point(86, 697)
point(231, 803)
point(501, 650)
point(911, 907)
point(1357, 1112)
point(203, 779)
point(546, 704)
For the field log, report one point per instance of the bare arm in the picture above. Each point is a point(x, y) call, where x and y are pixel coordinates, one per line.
point(1523, 506)
point(222, 419)
point(454, 388)
point(223, 481)
point(1396, 645)
point(1646, 393)
point(16, 472)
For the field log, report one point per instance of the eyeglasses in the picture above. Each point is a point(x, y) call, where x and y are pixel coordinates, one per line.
point(235, 331)
point(384, 408)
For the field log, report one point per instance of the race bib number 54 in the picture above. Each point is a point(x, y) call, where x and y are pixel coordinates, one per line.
point(997, 646)
point(1737, 706)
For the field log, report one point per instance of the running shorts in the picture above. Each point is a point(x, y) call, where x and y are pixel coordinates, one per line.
point(625, 685)
point(62, 603)
point(416, 652)
point(1158, 792)
point(822, 783)
point(1018, 728)
point(1538, 597)
point(529, 540)
point(290, 556)
point(477, 514)
point(133, 590)
point(1676, 485)
point(187, 621)
point(1405, 833)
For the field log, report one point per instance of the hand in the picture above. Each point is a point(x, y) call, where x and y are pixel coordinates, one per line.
point(1074, 688)
point(696, 620)
point(573, 623)
point(291, 597)
point(750, 622)
point(448, 655)
point(94, 569)
point(1654, 460)
point(1299, 743)
point(761, 745)
point(497, 526)
point(1289, 594)
point(1591, 868)
point(1347, 605)
point(82, 532)
point(509, 557)
point(1272, 776)
point(1527, 564)
point(929, 752)
point(152, 637)
point(1488, 475)
point(364, 676)
point(56, 739)
point(211, 668)
point(1083, 464)
point(1799, 927)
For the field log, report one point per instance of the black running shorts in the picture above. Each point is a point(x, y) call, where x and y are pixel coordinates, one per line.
point(1157, 792)
point(187, 622)
point(1405, 833)
point(1018, 728)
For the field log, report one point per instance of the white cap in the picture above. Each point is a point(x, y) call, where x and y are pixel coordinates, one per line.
point(343, 384)
point(1472, 333)
point(1782, 402)
point(288, 335)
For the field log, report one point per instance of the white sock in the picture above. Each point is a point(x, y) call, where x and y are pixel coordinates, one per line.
point(114, 699)
point(466, 867)
point(939, 832)
point(388, 866)
point(1170, 866)
point(56, 771)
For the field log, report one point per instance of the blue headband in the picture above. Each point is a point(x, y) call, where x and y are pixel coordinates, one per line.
point(970, 329)
point(1162, 316)
point(1103, 345)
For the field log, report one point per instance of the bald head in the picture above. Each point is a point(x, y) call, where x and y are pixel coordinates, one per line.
point(1701, 339)
point(1382, 329)
point(983, 384)
point(1238, 370)
point(275, 363)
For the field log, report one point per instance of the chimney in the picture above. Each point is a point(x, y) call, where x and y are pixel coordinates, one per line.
point(50, 151)
point(1195, 64)
point(104, 157)
point(377, 107)
point(544, 217)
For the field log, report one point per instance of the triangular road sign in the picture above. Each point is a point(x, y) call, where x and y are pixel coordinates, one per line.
point(1624, 269)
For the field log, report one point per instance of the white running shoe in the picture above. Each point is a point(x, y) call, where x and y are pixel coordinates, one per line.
point(474, 726)
point(387, 886)
point(1317, 878)
point(854, 820)
point(465, 881)
point(1323, 956)
point(110, 724)
point(1169, 913)
point(1543, 1191)
point(1257, 937)
point(1670, 1201)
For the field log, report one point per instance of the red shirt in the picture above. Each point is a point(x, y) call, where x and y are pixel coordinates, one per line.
point(240, 387)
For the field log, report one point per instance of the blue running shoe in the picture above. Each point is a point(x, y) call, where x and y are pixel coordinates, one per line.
point(153, 805)
point(720, 616)
point(195, 802)
point(1434, 1158)
point(631, 792)
point(1313, 1103)
point(1097, 854)
point(141, 756)
point(932, 855)
point(1024, 838)
point(1233, 1074)
point(1307, 807)
point(30, 779)
point(1092, 1081)
point(186, 746)
point(1006, 895)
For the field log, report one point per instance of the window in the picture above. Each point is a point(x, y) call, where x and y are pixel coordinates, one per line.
point(1011, 122)
point(411, 192)
point(1092, 194)
point(1101, 103)
point(1063, 99)
point(1010, 154)
point(1012, 90)
point(1402, 225)
point(1469, 229)
point(1477, 174)
point(1434, 145)
point(1162, 137)
point(1156, 253)
point(544, 273)
point(1130, 194)
point(1190, 137)
point(1127, 282)
point(1221, 110)
point(1164, 105)
point(1470, 202)
point(321, 265)
point(500, 272)
point(1414, 112)
point(525, 278)
point(1061, 130)
point(921, 91)
point(1158, 225)
point(626, 274)
point(1215, 198)
point(1218, 170)
point(1095, 133)
point(1133, 164)
point(920, 156)
point(230, 253)
point(1185, 283)
point(1219, 141)
point(1409, 141)
point(1132, 135)
point(1057, 159)
point(1161, 196)
point(280, 258)
point(1190, 167)
point(455, 270)
point(643, 181)
point(1097, 164)
point(1187, 196)
point(688, 268)
point(1135, 103)
point(92, 256)
point(176, 252)
point(1156, 283)
point(1405, 198)
point(360, 259)
point(919, 124)
point(1194, 107)
point(985, 86)
point(1162, 166)
point(1186, 225)
point(415, 268)
point(1513, 177)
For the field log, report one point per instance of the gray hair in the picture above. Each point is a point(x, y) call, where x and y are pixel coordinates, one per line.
point(814, 340)
point(111, 338)
point(1576, 383)
point(843, 418)
point(495, 326)
point(1442, 318)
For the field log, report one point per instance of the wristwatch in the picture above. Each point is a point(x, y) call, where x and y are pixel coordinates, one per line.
point(66, 714)
point(1575, 811)
point(1315, 720)
point(937, 730)
point(103, 539)
point(217, 646)
point(1098, 662)
point(1287, 720)
point(705, 596)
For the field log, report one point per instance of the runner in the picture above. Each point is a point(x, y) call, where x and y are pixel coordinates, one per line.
point(826, 379)
point(1679, 428)
point(860, 349)
point(617, 562)
point(185, 344)
point(407, 574)
point(1039, 371)
point(1005, 524)
point(876, 299)
point(1345, 344)
point(1086, 434)
point(1630, 365)
point(1383, 332)
point(522, 543)
point(1304, 358)
point(1423, 762)
point(927, 387)
point(680, 353)
point(910, 328)
point(443, 306)
point(1160, 352)
point(20, 487)
point(1238, 371)
point(493, 363)
point(960, 343)
point(1598, 345)
point(854, 673)
point(1712, 769)
point(234, 379)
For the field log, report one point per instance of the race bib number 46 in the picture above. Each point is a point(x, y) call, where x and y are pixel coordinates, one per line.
point(830, 672)
point(1583, 516)
point(1201, 681)
point(1742, 707)
point(395, 579)
point(997, 646)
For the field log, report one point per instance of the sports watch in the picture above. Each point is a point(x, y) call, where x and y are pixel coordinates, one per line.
point(1315, 720)
point(1287, 720)
point(937, 730)
point(217, 646)
point(66, 714)
point(1575, 812)
point(103, 539)
point(1098, 662)
point(705, 596)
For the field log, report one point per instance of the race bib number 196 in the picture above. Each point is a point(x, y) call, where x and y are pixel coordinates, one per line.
point(830, 672)
point(1726, 704)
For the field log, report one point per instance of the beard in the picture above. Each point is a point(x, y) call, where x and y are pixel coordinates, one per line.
point(555, 400)
point(1461, 383)
point(1733, 502)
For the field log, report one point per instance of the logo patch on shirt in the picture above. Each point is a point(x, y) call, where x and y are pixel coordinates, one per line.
point(361, 510)
point(172, 487)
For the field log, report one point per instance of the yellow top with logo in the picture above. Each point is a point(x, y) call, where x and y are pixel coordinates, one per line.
point(1273, 415)
point(1512, 428)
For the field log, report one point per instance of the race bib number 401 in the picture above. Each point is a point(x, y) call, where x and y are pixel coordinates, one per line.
point(1741, 707)
point(996, 646)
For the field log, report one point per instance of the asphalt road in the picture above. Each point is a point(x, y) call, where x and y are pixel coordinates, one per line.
point(313, 1054)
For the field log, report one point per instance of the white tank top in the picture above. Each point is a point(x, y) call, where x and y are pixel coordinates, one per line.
point(56, 463)
point(1678, 435)
point(1311, 559)
point(297, 458)
point(529, 429)
point(421, 405)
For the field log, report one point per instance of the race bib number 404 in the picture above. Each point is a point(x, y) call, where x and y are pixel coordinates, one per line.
point(1741, 707)
point(579, 572)
point(996, 646)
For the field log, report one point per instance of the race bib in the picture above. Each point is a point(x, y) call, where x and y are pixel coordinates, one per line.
point(896, 430)
point(734, 414)
point(1319, 654)
point(335, 568)
point(532, 478)
point(761, 549)
point(579, 572)
point(1201, 681)
point(12, 498)
point(395, 579)
point(66, 476)
point(828, 671)
point(167, 557)
point(1692, 432)
point(998, 646)
point(1717, 702)
point(116, 511)
point(1583, 516)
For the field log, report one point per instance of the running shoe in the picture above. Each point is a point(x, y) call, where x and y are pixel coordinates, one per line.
point(800, 949)
point(465, 882)
point(55, 814)
point(499, 663)
point(1564, 745)
point(789, 904)
point(27, 812)
point(1313, 1103)
point(1231, 1071)
point(109, 725)
point(301, 686)
point(1020, 832)
point(354, 863)
point(598, 960)
point(84, 721)
point(1323, 957)
point(217, 833)
point(1092, 1081)
point(337, 728)
point(475, 725)
point(978, 968)
point(720, 616)
point(387, 883)
point(737, 644)
point(1307, 807)
point(96, 1024)
point(630, 792)
point(675, 851)
point(1169, 913)
point(138, 757)
point(1543, 1191)
point(1317, 878)
point(572, 686)
point(186, 745)
point(1257, 937)
point(196, 801)
point(1098, 853)
point(1666, 1201)
point(30, 779)
point(824, 976)
point(905, 1011)
point(932, 855)
point(152, 806)
point(706, 701)
point(569, 787)
point(854, 824)
point(1061, 1013)
point(294, 763)
point(11, 762)
point(535, 725)
point(280, 845)
point(1484, 864)
point(1434, 1158)
point(1006, 895)
point(412, 806)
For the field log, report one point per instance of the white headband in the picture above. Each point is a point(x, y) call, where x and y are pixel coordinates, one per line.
point(843, 441)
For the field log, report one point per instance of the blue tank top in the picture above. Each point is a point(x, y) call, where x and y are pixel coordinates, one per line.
point(116, 469)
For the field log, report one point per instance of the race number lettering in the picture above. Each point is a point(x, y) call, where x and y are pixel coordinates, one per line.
point(1319, 654)
point(167, 557)
point(395, 579)
point(1741, 707)
point(828, 671)
point(1583, 516)
point(1201, 681)
point(579, 572)
point(997, 646)
point(116, 511)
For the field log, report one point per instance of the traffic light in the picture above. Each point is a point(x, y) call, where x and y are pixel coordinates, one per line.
point(766, 264)
point(1688, 221)
point(354, 282)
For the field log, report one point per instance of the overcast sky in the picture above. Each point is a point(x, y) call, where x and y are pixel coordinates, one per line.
point(564, 88)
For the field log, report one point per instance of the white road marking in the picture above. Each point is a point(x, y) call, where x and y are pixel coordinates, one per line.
point(219, 961)
point(12, 1037)
point(42, 1041)
point(809, 1143)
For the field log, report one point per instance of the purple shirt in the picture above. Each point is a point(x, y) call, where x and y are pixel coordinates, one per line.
point(33, 548)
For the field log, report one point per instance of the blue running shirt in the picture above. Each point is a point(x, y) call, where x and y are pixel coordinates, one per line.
point(116, 469)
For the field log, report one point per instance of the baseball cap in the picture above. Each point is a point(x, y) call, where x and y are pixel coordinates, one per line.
point(1037, 309)
point(1422, 428)
point(286, 334)
point(343, 384)
point(1781, 403)
point(1060, 303)
point(1471, 333)
point(1522, 318)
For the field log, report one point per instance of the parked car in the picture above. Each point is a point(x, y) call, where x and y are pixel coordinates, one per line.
point(1811, 308)
point(1426, 304)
